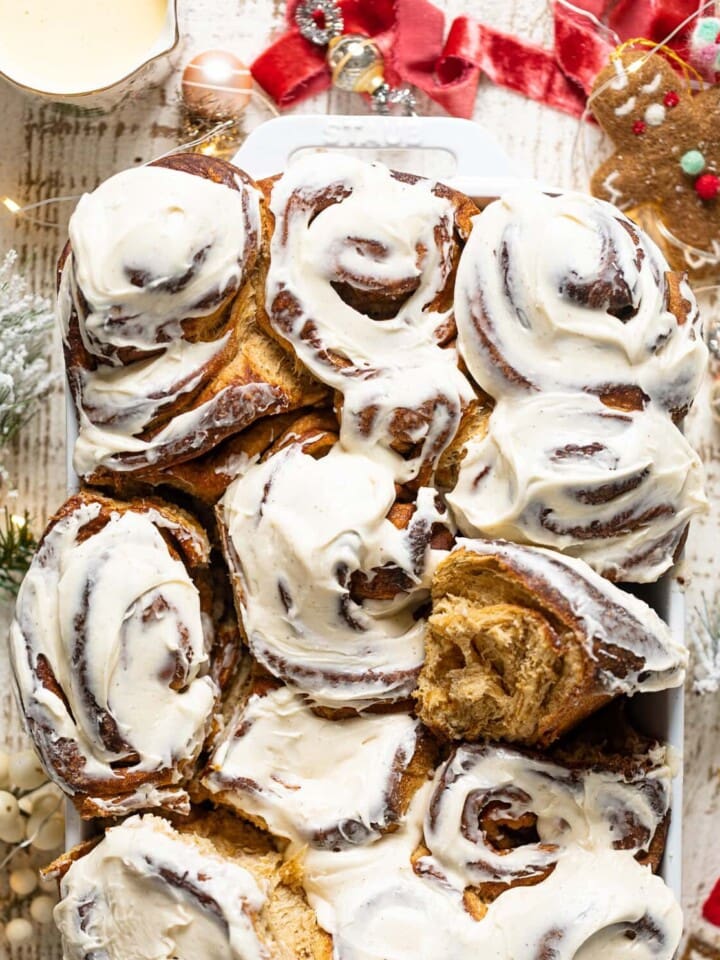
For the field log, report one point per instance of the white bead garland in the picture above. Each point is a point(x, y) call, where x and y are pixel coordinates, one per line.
point(19, 930)
point(24, 770)
point(31, 813)
point(41, 908)
point(23, 881)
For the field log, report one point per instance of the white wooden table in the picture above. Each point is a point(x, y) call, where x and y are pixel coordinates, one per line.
point(50, 151)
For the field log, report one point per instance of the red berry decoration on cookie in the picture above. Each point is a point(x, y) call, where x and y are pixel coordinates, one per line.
point(707, 186)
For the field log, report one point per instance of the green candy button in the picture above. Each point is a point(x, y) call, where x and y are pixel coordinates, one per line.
point(692, 162)
point(707, 29)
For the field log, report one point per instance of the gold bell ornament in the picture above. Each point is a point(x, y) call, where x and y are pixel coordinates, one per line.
point(355, 61)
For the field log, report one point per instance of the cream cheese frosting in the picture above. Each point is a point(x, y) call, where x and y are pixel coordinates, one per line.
point(481, 787)
point(399, 233)
point(153, 248)
point(596, 899)
point(110, 653)
point(329, 783)
point(561, 291)
point(297, 529)
point(147, 893)
point(616, 489)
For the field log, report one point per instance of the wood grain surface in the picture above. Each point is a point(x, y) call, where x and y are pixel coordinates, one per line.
point(49, 150)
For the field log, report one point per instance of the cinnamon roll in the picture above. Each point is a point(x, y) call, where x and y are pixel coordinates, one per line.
point(330, 573)
point(111, 650)
point(598, 902)
point(522, 643)
point(360, 285)
point(614, 488)
point(499, 818)
point(157, 301)
point(329, 783)
point(150, 892)
point(207, 478)
point(561, 292)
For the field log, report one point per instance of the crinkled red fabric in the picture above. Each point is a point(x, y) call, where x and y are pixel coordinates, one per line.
point(411, 36)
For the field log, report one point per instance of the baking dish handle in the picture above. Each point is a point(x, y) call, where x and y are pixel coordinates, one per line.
point(271, 146)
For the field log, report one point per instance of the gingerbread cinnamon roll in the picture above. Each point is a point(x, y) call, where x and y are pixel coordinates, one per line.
point(499, 818)
point(523, 643)
point(360, 286)
point(327, 783)
point(561, 292)
point(150, 892)
point(330, 573)
point(615, 488)
point(157, 301)
point(113, 633)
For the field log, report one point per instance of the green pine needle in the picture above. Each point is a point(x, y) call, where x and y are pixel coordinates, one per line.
point(17, 546)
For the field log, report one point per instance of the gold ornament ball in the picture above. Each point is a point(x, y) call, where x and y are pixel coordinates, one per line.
point(355, 63)
point(216, 85)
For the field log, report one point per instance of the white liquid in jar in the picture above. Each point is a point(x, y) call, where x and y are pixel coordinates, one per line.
point(75, 46)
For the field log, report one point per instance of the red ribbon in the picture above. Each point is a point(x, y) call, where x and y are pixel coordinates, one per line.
point(711, 907)
point(410, 35)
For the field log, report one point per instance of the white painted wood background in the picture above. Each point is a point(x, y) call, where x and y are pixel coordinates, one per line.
point(48, 150)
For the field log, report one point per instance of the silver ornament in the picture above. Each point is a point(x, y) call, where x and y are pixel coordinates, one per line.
point(384, 98)
point(305, 18)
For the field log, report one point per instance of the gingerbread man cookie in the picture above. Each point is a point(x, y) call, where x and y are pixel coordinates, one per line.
point(667, 156)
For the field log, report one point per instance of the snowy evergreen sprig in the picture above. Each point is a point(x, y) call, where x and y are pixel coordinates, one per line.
point(26, 323)
point(17, 547)
point(705, 635)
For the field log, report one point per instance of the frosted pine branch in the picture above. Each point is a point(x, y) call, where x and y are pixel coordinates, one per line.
point(706, 641)
point(26, 323)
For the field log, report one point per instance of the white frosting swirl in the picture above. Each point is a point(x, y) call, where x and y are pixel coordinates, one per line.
point(146, 892)
point(340, 220)
point(377, 908)
point(153, 246)
point(563, 292)
point(154, 249)
point(297, 531)
point(330, 783)
point(110, 653)
point(564, 471)
point(482, 788)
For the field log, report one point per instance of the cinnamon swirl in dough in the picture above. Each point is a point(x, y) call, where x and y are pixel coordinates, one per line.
point(561, 292)
point(157, 300)
point(360, 285)
point(328, 587)
point(499, 818)
point(111, 648)
point(522, 643)
point(615, 488)
point(598, 902)
point(149, 892)
point(328, 783)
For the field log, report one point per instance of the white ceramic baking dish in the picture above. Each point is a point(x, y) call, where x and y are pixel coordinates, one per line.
point(465, 156)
